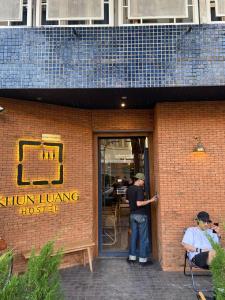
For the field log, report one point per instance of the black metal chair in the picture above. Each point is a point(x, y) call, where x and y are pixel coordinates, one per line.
point(199, 272)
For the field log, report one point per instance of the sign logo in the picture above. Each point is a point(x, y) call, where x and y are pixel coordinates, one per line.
point(40, 163)
point(42, 151)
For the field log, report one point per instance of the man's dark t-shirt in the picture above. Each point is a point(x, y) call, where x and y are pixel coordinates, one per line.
point(136, 193)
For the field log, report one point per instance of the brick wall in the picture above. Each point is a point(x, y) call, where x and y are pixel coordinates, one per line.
point(119, 120)
point(27, 120)
point(187, 183)
point(74, 222)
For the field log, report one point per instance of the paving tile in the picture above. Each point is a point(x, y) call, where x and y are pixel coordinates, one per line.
point(114, 279)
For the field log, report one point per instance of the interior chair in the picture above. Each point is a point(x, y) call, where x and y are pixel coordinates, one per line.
point(109, 225)
point(121, 190)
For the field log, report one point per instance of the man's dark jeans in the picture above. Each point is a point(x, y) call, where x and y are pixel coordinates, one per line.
point(139, 229)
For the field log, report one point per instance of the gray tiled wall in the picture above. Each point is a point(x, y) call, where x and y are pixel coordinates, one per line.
point(149, 56)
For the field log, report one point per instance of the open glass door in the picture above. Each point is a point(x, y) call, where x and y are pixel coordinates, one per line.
point(119, 160)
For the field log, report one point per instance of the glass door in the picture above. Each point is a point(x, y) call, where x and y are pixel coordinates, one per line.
point(119, 160)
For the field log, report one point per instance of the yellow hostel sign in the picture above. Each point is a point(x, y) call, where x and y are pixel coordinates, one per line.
point(40, 203)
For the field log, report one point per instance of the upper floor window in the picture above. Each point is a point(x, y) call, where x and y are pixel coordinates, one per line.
point(220, 8)
point(109, 12)
point(15, 12)
point(216, 11)
point(11, 10)
point(158, 11)
point(70, 12)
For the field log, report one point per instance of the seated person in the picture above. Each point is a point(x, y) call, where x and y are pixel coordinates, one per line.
point(195, 241)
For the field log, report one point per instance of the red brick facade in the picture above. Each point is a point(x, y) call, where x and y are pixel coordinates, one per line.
point(186, 183)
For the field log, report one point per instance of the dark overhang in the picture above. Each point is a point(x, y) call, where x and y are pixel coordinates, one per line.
point(112, 98)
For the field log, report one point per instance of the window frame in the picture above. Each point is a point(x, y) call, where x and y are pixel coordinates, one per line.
point(212, 4)
point(64, 22)
point(29, 5)
point(116, 17)
point(141, 21)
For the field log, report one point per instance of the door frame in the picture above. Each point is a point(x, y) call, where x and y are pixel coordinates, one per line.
point(96, 174)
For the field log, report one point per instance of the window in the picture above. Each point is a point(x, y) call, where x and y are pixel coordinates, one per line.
point(16, 13)
point(220, 8)
point(109, 12)
point(158, 11)
point(216, 11)
point(11, 10)
point(55, 12)
point(75, 10)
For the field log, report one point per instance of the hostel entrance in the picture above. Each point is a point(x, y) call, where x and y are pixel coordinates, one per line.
point(119, 160)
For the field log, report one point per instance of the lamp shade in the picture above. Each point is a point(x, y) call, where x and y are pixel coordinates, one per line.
point(199, 148)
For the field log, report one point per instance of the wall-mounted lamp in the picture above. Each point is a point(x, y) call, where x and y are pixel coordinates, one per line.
point(199, 146)
point(1, 109)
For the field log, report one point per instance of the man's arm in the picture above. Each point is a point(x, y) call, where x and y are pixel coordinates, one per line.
point(145, 202)
point(216, 236)
point(189, 248)
point(188, 240)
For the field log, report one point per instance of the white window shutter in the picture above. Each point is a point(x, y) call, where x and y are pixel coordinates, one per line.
point(75, 9)
point(156, 9)
point(11, 10)
point(220, 8)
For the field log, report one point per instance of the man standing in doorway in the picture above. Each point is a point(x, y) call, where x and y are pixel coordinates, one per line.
point(139, 210)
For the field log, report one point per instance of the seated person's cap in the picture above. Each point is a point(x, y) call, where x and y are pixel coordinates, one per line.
point(203, 216)
point(140, 176)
